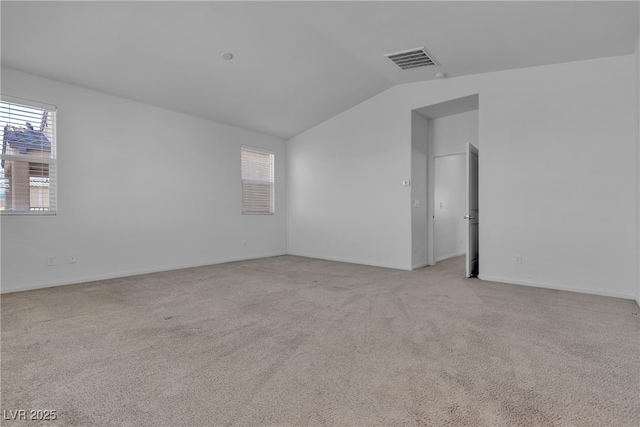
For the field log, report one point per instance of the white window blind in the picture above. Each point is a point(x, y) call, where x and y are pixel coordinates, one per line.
point(258, 192)
point(28, 159)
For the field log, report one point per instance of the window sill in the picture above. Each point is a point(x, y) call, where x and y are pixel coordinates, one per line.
point(28, 213)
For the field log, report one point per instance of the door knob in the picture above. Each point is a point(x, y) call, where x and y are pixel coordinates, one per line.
point(469, 217)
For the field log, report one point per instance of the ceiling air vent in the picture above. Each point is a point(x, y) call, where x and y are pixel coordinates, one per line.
point(412, 58)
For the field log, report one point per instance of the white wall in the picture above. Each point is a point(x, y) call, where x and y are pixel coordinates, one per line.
point(420, 206)
point(556, 176)
point(450, 237)
point(140, 189)
point(450, 134)
point(346, 199)
point(637, 73)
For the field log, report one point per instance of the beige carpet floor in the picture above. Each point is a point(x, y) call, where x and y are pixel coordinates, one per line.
point(296, 342)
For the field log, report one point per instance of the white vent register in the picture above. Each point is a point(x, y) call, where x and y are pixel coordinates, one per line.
point(412, 58)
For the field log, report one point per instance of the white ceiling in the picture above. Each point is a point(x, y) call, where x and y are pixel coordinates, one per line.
point(296, 64)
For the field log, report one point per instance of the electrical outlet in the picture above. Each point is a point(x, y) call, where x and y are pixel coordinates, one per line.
point(517, 259)
point(72, 258)
point(51, 260)
point(406, 183)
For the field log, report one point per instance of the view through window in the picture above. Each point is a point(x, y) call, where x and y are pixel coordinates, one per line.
point(258, 181)
point(27, 162)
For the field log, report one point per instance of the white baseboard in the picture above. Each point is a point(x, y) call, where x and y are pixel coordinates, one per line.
point(417, 266)
point(557, 286)
point(97, 277)
point(446, 257)
point(512, 281)
point(352, 261)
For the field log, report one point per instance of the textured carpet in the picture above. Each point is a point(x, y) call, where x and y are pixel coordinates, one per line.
point(297, 341)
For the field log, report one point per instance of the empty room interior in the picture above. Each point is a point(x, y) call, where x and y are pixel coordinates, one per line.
point(320, 213)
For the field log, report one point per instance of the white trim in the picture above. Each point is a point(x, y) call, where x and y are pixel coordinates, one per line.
point(351, 261)
point(418, 266)
point(28, 102)
point(557, 286)
point(29, 213)
point(272, 182)
point(446, 257)
point(450, 154)
point(100, 277)
point(431, 199)
point(287, 193)
point(51, 160)
point(256, 149)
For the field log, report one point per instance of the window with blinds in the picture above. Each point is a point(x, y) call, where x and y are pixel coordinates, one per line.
point(258, 183)
point(28, 159)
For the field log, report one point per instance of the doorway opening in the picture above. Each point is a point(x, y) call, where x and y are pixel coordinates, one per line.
point(451, 161)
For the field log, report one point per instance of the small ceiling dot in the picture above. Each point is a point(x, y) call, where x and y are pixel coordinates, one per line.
point(227, 56)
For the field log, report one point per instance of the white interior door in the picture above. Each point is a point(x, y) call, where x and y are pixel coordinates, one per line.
point(472, 216)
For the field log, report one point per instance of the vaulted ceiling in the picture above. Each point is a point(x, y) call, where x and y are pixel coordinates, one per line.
point(295, 64)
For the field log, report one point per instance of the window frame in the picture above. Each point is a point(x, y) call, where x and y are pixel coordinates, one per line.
point(52, 162)
point(272, 183)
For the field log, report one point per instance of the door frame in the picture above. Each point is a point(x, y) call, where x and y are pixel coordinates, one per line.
point(472, 265)
point(431, 209)
point(430, 223)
